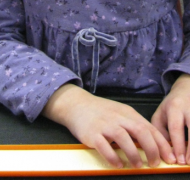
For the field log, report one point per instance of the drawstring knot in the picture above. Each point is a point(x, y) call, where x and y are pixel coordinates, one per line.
point(90, 37)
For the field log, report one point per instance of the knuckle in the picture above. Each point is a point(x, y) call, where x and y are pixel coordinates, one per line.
point(175, 126)
point(154, 130)
point(118, 133)
point(140, 128)
point(98, 143)
point(175, 102)
point(114, 115)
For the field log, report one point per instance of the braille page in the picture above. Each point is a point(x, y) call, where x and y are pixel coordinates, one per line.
point(72, 162)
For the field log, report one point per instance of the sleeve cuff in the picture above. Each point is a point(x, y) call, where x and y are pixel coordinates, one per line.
point(42, 97)
point(172, 73)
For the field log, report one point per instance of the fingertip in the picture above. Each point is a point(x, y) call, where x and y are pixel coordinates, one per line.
point(120, 165)
point(155, 163)
point(169, 157)
point(181, 159)
point(139, 165)
point(116, 163)
point(172, 159)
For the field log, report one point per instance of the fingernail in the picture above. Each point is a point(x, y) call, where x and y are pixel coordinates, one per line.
point(172, 158)
point(181, 159)
point(119, 165)
point(139, 165)
point(156, 163)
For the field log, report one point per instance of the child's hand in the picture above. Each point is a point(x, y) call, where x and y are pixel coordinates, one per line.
point(97, 122)
point(173, 115)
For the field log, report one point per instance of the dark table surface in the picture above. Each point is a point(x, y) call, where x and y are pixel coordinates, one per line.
point(16, 130)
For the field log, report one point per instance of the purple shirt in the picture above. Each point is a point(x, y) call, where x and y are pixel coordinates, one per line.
point(136, 48)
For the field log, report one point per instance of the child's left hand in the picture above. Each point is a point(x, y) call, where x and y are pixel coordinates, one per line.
point(173, 115)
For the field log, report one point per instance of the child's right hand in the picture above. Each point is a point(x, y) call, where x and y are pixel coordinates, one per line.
point(97, 122)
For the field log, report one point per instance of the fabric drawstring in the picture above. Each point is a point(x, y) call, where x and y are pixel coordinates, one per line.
point(90, 37)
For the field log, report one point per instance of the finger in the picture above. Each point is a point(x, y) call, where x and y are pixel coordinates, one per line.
point(122, 138)
point(176, 129)
point(159, 121)
point(148, 144)
point(188, 147)
point(104, 148)
point(144, 137)
point(165, 149)
point(187, 117)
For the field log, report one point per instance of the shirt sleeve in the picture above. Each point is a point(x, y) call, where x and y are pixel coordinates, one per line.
point(183, 65)
point(28, 77)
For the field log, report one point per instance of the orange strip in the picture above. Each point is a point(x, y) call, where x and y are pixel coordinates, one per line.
point(43, 147)
point(50, 146)
point(95, 172)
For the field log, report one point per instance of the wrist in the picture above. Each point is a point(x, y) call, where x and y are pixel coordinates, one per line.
point(59, 106)
point(184, 79)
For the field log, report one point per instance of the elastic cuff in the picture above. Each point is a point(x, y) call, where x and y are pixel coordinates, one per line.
point(171, 75)
point(34, 112)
